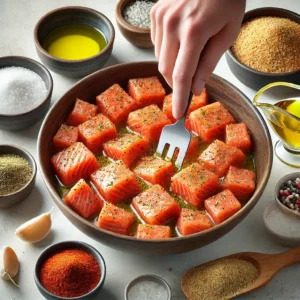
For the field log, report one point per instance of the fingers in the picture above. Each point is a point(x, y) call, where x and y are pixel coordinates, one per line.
point(158, 20)
point(169, 49)
point(184, 70)
point(153, 24)
point(210, 56)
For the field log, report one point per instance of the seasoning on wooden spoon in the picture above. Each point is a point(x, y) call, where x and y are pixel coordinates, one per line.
point(219, 280)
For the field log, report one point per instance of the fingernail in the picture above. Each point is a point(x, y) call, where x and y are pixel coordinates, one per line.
point(198, 87)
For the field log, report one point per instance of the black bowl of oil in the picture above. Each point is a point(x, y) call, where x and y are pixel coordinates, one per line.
point(63, 52)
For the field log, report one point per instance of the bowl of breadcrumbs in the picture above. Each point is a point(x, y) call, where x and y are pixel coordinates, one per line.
point(267, 48)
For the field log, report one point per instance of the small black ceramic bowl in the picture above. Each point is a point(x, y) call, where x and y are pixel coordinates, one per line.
point(74, 15)
point(11, 199)
point(27, 119)
point(69, 245)
point(256, 79)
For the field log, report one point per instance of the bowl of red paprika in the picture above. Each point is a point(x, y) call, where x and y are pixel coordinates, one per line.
point(70, 270)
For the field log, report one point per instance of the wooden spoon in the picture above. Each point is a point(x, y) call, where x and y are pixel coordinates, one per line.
point(268, 265)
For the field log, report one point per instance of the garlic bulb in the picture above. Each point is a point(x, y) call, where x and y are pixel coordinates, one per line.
point(9, 264)
point(35, 229)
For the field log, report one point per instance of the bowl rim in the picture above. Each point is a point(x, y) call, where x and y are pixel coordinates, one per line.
point(284, 208)
point(121, 20)
point(249, 69)
point(78, 8)
point(58, 201)
point(64, 245)
point(32, 163)
point(43, 68)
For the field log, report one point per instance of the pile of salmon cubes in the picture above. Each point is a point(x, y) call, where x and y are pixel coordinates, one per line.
point(206, 192)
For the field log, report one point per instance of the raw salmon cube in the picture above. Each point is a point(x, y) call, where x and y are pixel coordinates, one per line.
point(195, 184)
point(153, 232)
point(194, 146)
point(218, 157)
point(127, 148)
point(238, 136)
point(197, 102)
point(222, 206)
point(81, 112)
point(209, 122)
point(65, 137)
point(116, 182)
point(95, 132)
point(83, 199)
point(74, 163)
point(154, 170)
point(240, 182)
point(156, 206)
point(193, 221)
point(146, 91)
point(116, 104)
point(148, 122)
point(116, 219)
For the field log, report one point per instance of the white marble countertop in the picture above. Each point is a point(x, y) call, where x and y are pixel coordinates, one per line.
point(17, 20)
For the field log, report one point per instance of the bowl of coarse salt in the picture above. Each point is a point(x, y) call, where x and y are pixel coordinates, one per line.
point(25, 92)
point(133, 19)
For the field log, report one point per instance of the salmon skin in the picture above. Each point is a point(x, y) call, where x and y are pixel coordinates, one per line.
point(81, 112)
point(65, 137)
point(128, 148)
point(116, 219)
point(116, 104)
point(74, 163)
point(83, 199)
point(195, 184)
point(148, 122)
point(146, 91)
point(193, 221)
point(156, 206)
point(116, 182)
point(209, 122)
point(153, 232)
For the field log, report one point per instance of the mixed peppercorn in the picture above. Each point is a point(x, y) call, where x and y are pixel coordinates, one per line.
point(289, 194)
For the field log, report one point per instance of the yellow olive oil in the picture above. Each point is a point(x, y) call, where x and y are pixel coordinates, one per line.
point(287, 127)
point(74, 42)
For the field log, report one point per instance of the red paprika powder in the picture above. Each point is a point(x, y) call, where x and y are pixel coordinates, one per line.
point(70, 273)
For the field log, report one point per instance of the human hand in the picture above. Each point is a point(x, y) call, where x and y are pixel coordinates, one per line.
point(190, 36)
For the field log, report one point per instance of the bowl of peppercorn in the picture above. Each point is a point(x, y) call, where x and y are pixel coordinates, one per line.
point(287, 194)
point(17, 174)
point(70, 270)
point(267, 48)
point(133, 19)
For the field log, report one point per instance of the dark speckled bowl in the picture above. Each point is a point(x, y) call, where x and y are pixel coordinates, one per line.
point(11, 199)
point(256, 79)
point(70, 245)
point(27, 119)
point(74, 15)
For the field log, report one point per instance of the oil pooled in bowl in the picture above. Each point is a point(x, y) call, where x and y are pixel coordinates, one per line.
point(74, 42)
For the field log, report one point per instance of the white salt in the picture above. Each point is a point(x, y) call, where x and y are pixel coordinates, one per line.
point(21, 90)
point(138, 13)
point(147, 290)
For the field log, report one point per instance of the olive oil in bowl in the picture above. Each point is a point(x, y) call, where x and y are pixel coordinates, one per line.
point(74, 42)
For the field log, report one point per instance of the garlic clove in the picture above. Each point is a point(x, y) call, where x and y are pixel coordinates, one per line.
point(35, 229)
point(9, 264)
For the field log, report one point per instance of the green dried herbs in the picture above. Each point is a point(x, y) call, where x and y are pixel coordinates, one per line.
point(15, 173)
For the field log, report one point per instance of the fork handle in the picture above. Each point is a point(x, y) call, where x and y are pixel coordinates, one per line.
point(188, 105)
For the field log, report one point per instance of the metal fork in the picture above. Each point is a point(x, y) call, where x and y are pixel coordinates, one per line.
point(176, 136)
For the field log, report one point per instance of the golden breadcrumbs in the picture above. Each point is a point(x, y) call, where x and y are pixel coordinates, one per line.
point(219, 280)
point(269, 44)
